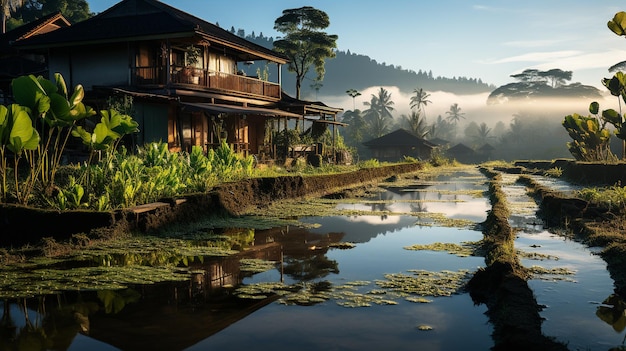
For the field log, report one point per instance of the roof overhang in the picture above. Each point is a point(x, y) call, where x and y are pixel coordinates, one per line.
point(325, 121)
point(238, 110)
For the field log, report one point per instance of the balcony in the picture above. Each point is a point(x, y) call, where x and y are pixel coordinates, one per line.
point(207, 79)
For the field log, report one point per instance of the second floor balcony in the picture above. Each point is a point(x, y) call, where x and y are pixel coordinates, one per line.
point(232, 84)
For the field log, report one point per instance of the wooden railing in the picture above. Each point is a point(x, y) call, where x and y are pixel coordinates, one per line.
point(207, 79)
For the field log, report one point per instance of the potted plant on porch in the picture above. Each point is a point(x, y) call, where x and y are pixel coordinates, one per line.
point(192, 55)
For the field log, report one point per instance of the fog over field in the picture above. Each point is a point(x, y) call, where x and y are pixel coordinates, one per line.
point(528, 128)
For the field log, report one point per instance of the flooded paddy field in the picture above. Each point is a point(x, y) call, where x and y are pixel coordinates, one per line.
point(381, 270)
point(570, 279)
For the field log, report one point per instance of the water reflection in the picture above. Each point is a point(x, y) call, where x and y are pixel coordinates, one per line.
point(203, 310)
point(569, 300)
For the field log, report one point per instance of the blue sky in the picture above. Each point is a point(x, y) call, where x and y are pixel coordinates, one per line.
point(489, 40)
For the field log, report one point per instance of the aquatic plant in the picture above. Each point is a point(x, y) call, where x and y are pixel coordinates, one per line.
point(463, 250)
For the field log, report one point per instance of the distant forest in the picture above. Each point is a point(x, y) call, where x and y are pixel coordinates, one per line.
point(354, 71)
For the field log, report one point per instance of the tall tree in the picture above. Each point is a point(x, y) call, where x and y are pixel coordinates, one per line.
point(482, 135)
point(353, 93)
point(441, 128)
point(557, 77)
point(8, 7)
point(305, 43)
point(356, 126)
point(416, 124)
point(420, 99)
point(378, 115)
point(455, 115)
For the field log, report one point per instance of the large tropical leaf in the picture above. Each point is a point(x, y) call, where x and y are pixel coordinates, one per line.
point(612, 117)
point(60, 85)
point(29, 92)
point(23, 135)
point(618, 24)
point(4, 122)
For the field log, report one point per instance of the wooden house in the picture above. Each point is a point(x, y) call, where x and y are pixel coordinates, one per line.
point(184, 74)
point(399, 143)
point(462, 153)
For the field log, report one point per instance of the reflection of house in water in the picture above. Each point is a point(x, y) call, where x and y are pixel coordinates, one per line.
point(174, 316)
point(299, 242)
point(162, 316)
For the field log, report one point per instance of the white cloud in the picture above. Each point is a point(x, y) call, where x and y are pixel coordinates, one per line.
point(539, 56)
point(531, 43)
point(585, 61)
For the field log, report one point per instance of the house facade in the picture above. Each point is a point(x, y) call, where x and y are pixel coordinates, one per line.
point(186, 76)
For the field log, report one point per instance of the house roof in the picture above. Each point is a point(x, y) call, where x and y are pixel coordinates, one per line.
point(487, 147)
point(233, 109)
point(400, 137)
point(461, 148)
point(304, 107)
point(439, 141)
point(133, 20)
point(43, 25)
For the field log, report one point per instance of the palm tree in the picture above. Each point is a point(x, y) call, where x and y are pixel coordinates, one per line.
point(377, 122)
point(482, 136)
point(379, 112)
point(416, 124)
point(317, 85)
point(442, 128)
point(353, 93)
point(420, 99)
point(381, 103)
point(455, 115)
point(8, 6)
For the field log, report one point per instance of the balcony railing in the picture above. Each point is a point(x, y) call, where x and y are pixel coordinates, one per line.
point(207, 79)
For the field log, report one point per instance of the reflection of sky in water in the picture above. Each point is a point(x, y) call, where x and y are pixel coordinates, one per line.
point(457, 322)
point(571, 306)
point(450, 199)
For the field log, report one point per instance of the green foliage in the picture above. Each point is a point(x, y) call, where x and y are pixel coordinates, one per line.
point(613, 197)
point(439, 159)
point(38, 100)
point(590, 139)
point(371, 163)
point(112, 127)
point(70, 197)
point(125, 180)
point(304, 43)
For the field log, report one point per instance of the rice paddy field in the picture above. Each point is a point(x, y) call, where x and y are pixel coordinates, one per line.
point(381, 269)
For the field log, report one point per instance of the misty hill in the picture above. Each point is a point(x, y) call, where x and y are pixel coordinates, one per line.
point(354, 71)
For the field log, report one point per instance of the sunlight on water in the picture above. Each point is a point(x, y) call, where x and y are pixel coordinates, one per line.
point(571, 300)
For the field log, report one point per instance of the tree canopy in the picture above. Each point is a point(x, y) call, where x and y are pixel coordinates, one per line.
point(533, 83)
point(305, 43)
point(31, 10)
